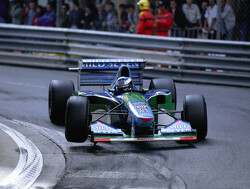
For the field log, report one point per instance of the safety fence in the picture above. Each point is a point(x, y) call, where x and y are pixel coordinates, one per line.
point(186, 60)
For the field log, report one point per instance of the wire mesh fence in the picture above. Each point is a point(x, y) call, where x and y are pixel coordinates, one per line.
point(194, 19)
point(201, 19)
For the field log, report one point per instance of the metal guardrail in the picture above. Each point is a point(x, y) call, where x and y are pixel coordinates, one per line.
point(188, 60)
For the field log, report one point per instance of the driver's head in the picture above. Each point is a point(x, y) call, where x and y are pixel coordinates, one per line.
point(124, 84)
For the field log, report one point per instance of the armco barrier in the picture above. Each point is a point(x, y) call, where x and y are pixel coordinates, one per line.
point(187, 60)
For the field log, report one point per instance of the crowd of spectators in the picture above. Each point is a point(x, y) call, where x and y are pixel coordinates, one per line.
point(101, 17)
point(202, 19)
point(32, 14)
point(190, 18)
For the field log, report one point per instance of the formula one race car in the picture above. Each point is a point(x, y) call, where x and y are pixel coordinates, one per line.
point(132, 112)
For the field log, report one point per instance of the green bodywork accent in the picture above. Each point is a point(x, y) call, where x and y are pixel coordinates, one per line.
point(168, 102)
point(76, 93)
point(167, 106)
point(130, 97)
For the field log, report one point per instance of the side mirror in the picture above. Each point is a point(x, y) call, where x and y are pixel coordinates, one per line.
point(145, 90)
point(112, 90)
point(160, 99)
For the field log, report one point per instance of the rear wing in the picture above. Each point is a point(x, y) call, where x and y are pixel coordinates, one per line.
point(103, 72)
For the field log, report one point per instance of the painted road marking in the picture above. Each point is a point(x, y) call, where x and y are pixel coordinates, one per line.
point(23, 84)
point(111, 175)
point(29, 165)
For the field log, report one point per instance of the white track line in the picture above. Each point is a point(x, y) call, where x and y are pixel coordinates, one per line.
point(22, 84)
point(29, 165)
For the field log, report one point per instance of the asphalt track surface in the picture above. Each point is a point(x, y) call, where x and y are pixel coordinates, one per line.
point(221, 161)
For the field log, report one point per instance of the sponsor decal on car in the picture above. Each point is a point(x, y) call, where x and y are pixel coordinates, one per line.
point(177, 127)
point(103, 128)
point(111, 63)
point(142, 107)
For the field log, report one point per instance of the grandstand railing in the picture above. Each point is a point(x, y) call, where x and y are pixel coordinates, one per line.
point(186, 60)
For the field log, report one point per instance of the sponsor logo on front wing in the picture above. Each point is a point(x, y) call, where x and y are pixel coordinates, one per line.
point(101, 128)
point(177, 127)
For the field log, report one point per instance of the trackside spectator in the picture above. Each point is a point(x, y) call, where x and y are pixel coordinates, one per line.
point(39, 14)
point(106, 4)
point(25, 12)
point(100, 17)
point(75, 15)
point(243, 21)
point(88, 18)
point(203, 11)
point(145, 24)
point(179, 20)
point(31, 12)
point(64, 17)
point(3, 12)
point(16, 12)
point(163, 20)
point(193, 17)
point(110, 22)
point(210, 24)
point(123, 17)
point(48, 19)
point(228, 20)
point(131, 18)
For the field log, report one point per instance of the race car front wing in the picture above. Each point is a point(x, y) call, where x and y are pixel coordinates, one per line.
point(177, 131)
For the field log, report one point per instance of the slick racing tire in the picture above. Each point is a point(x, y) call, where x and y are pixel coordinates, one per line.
point(164, 83)
point(59, 92)
point(195, 112)
point(77, 119)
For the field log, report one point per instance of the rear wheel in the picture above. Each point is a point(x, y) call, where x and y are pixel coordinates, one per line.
point(59, 92)
point(195, 112)
point(77, 119)
point(164, 83)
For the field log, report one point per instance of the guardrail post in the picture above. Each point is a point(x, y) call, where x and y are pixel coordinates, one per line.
point(58, 11)
point(219, 19)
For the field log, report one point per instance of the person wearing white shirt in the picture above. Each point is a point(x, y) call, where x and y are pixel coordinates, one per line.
point(228, 20)
point(210, 24)
point(193, 16)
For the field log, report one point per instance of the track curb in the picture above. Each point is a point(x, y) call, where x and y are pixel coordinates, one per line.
point(52, 156)
point(30, 162)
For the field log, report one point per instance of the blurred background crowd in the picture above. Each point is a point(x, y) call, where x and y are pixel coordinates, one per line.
point(190, 18)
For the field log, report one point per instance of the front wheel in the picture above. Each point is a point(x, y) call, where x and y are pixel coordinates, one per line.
point(195, 112)
point(77, 119)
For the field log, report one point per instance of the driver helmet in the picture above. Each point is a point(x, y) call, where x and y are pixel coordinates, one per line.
point(124, 83)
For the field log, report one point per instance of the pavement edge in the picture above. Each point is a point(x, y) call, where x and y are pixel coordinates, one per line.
point(53, 158)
